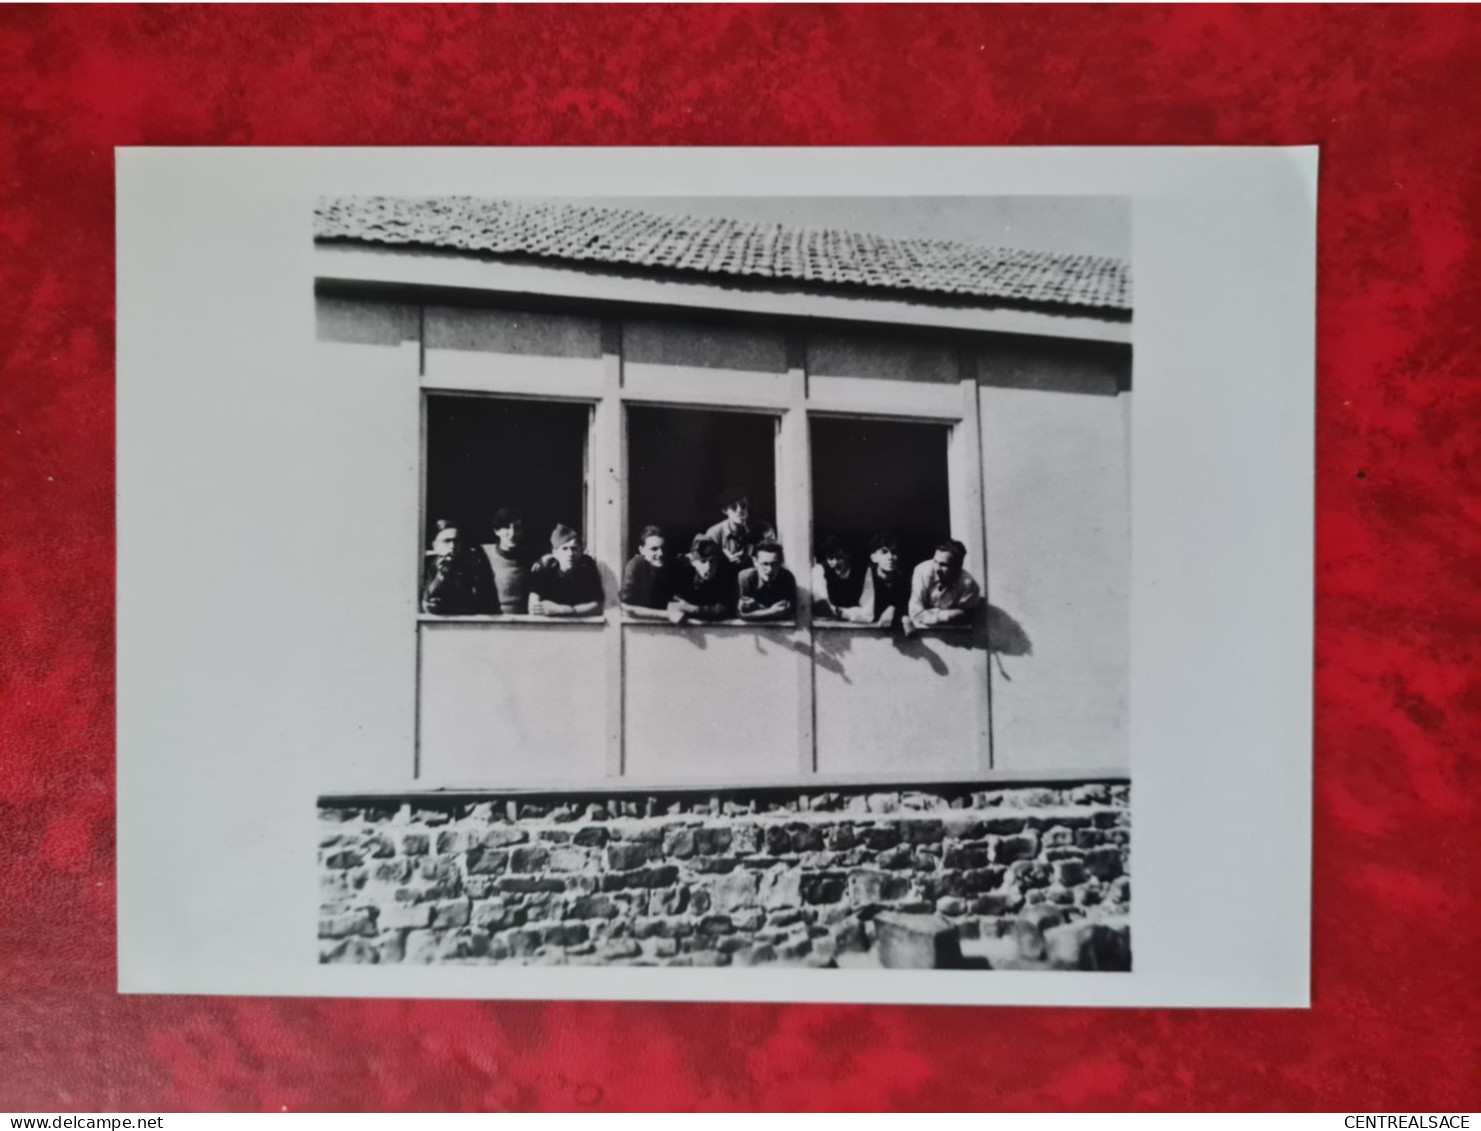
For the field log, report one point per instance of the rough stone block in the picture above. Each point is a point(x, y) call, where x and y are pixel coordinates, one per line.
point(822, 888)
point(998, 902)
point(568, 859)
point(1029, 930)
point(1005, 825)
point(344, 860)
point(451, 913)
point(619, 949)
point(1068, 873)
point(712, 841)
point(497, 915)
point(738, 889)
point(1028, 874)
point(1088, 946)
point(922, 831)
point(839, 838)
point(779, 888)
point(624, 856)
point(678, 844)
point(716, 925)
point(951, 905)
point(530, 884)
point(758, 955)
point(748, 918)
point(529, 859)
point(1058, 836)
point(501, 836)
point(882, 802)
point(964, 858)
point(351, 951)
point(358, 922)
point(1023, 846)
point(592, 907)
point(881, 837)
point(665, 948)
point(565, 934)
point(1104, 863)
point(404, 916)
point(487, 862)
point(1120, 890)
point(746, 840)
point(868, 887)
point(916, 942)
point(590, 837)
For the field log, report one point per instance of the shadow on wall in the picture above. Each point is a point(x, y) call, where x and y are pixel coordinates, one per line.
point(1004, 636)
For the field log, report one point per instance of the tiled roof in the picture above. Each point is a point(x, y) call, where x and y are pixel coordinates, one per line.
point(708, 246)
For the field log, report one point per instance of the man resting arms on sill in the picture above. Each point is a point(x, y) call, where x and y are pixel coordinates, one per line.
point(566, 584)
point(706, 589)
point(941, 591)
point(649, 583)
point(768, 590)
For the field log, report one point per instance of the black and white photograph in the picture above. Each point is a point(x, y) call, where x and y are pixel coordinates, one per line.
point(745, 580)
point(768, 575)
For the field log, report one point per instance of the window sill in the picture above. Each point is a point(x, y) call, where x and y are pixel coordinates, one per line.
point(856, 626)
point(511, 618)
point(687, 625)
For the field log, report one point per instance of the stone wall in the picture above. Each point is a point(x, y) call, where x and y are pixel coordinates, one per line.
point(743, 877)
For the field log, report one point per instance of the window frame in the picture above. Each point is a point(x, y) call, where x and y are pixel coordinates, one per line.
point(599, 384)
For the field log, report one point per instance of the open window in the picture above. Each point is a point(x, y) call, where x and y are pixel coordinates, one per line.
point(681, 461)
point(484, 453)
point(871, 475)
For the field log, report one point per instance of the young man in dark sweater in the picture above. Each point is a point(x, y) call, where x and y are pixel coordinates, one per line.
point(649, 582)
point(707, 586)
point(567, 583)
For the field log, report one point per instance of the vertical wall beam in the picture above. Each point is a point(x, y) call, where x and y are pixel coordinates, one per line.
point(794, 525)
point(970, 529)
point(609, 536)
point(413, 361)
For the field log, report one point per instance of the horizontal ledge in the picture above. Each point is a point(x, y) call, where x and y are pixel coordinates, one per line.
point(689, 625)
point(986, 779)
point(883, 630)
point(509, 618)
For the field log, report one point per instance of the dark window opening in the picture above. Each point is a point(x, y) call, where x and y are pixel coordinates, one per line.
point(877, 475)
point(486, 453)
point(681, 461)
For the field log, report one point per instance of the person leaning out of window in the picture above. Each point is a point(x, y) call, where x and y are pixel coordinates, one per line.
point(706, 587)
point(456, 580)
point(509, 561)
point(885, 595)
point(650, 582)
point(941, 591)
point(566, 583)
point(737, 534)
point(767, 591)
point(838, 584)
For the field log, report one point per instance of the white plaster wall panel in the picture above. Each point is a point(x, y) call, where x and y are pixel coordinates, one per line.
point(688, 359)
point(511, 704)
point(713, 704)
point(360, 540)
point(1058, 550)
point(513, 351)
point(888, 705)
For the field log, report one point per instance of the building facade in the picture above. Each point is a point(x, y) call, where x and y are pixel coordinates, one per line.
point(607, 370)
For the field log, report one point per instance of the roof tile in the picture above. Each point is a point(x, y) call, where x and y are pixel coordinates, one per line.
point(712, 246)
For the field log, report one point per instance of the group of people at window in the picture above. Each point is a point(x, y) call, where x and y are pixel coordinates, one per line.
point(733, 571)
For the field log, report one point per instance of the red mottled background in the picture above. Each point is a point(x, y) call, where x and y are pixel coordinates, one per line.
point(1392, 95)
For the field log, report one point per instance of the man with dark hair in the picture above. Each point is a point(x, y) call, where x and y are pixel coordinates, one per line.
point(509, 561)
point(838, 583)
point(941, 591)
point(565, 584)
point(456, 581)
point(706, 588)
point(736, 534)
point(887, 587)
point(767, 590)
point(649, 583)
